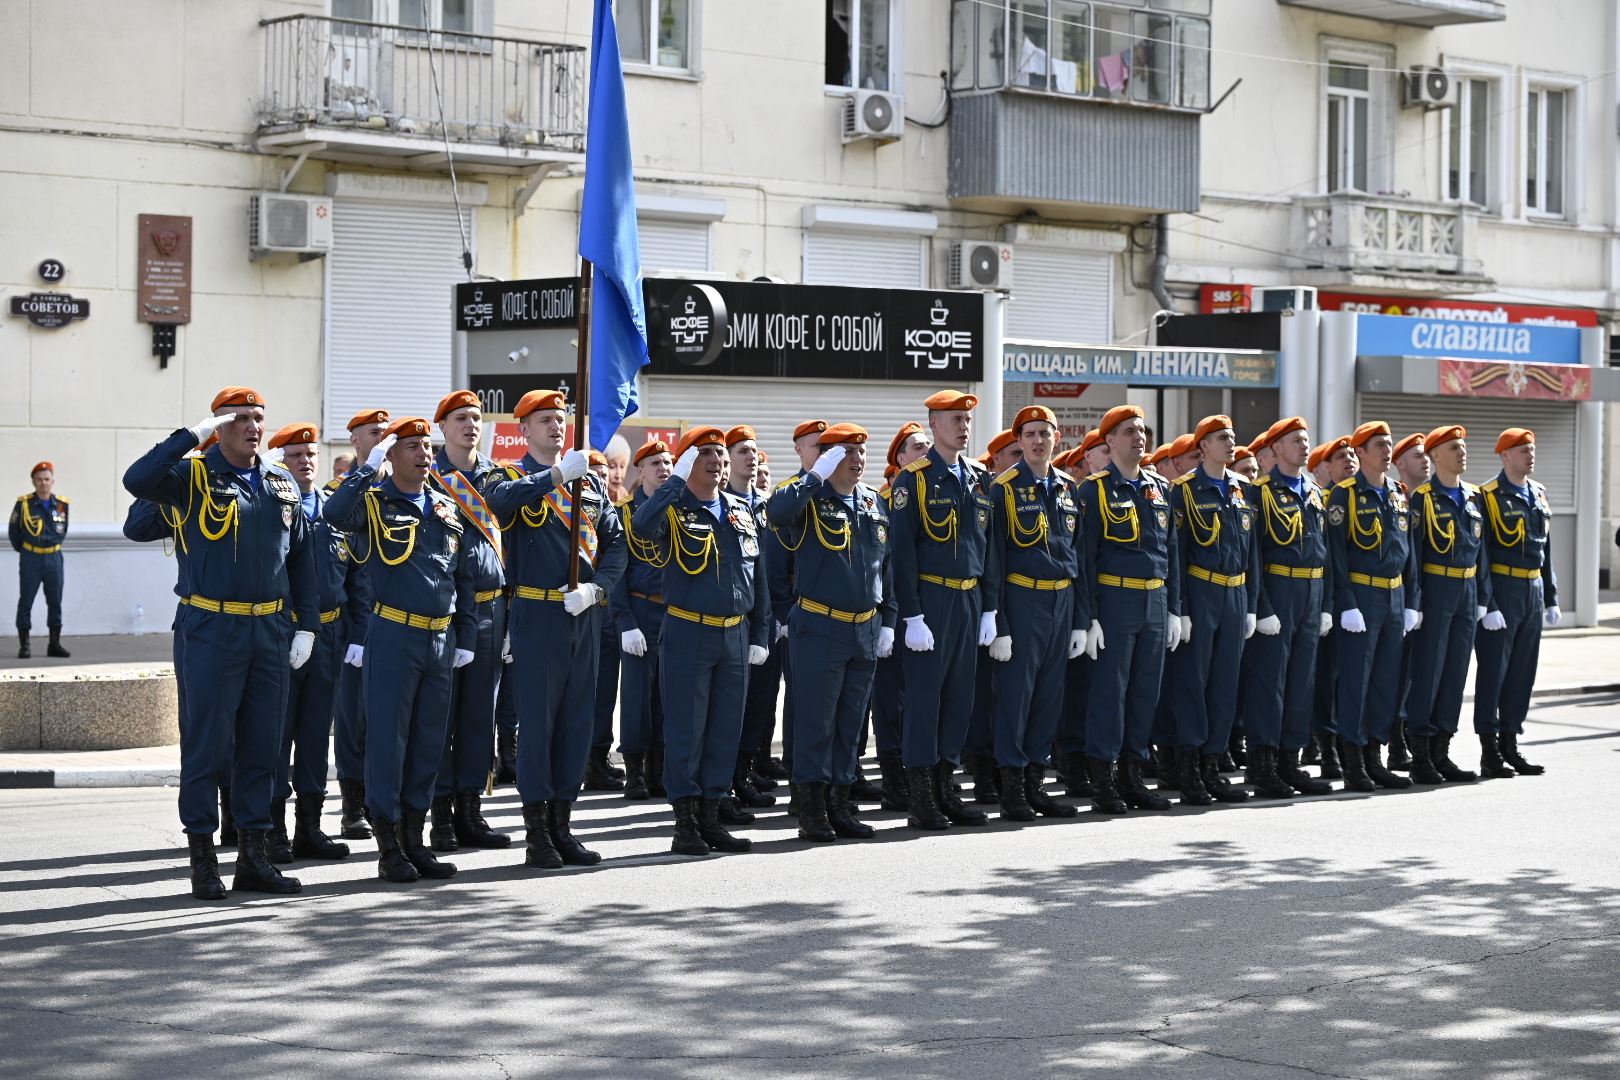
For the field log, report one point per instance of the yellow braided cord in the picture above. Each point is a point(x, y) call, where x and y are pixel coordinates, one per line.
point(1431, 524)
point(535, 518)
point(842, 533)
point(1272, 510)
point(1015, 529)
point(381, 531)
point(930, 527)
point(1196, 520)
point(224, 518)
point(678, 534)
point(642, 548)
point(1357, 532)
point(34, 525)
point(1110, 518)
point(1505, 536)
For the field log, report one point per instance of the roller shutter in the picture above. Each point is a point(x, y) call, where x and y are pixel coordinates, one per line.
point(870, 259)
point(673, 245)
point(1061, 296)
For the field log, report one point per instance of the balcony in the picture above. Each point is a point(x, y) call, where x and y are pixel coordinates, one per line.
point(1411, 12)
point(1377, 240)
point(371, 93)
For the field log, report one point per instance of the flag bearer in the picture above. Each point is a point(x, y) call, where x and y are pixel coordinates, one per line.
point(638, 611)
point(39, 524)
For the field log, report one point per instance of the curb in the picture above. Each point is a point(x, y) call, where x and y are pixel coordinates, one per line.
point(104, 776)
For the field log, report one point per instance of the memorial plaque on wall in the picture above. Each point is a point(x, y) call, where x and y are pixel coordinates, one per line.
point(163, 269)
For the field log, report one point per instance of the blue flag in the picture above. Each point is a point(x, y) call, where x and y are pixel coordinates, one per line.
point(609, 239)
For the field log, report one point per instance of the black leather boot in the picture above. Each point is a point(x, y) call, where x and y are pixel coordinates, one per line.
point(1035, 794)
point(1104, 795)
point(729, 812)
point(540, 853)
point(813, 823)
point(1263, 771)
point(308, 841)
point(1491, 765)
point(205, 883)
point(760, 781)
point(55, 647)
point(254, 870)
point(1076, 777)
point(922, 801)
point(25, 651)
point(227, 819)
point(598, 774)
point(411, 824)
point(1236, 749)
point(1225, 763)
point(986, 785)
point(1193, 792)
point(635, 777)
point(1440, 754)
point(1296, 777)
point(841, 815)
point(1400, 755)
point(392, 865)
point(1014, 801)
point(743, 785)
point(559, 815)
point(1312, 753)
point(655, 773)
point(471, 828)
point(1219, 787)
point(1128, 781)
point(1373, 754)
point(278, 846)
point(506, 757)
point(1332, 767)
point(770, 766)
point(863, 790)
point(1508, 744)
point(1354, 764)
point(688, 837)
point(1422, 769)
point(1169, 767)
point(353, 825)
point(442, 836)
point(895, 796)
point(950, 803)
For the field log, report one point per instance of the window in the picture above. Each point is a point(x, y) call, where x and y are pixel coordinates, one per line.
point(437, 14)
point(1468, 170)
point(673, 245)
point(858, 43)
point(461, 16)
point(1545, 149)
point(657, 33)
point(874, 260)
point(1348, 119)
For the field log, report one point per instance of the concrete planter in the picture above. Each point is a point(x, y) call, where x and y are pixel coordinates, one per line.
point(116, 713)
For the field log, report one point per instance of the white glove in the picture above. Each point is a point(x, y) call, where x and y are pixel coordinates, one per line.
point(1270, 626)
point(987, 628)
point(1186, 629)
point(885, 645)
point(210, 425)
point(633, 642)
point(1250, 621)
point(303, 644)
point(828, 461)
point(1494, 620)
point(1481, 611)
point(1094, 639)
point(577, 601)
point(1552, 615)
point(374, 460)
point(758, 654)
point(1172, 632)
point(1411, 620)
point(273, 456)
point(1327, 625)
point(572, 466)
point(355, 655)
point(918, 637)
point(1077, 643)
point(1001, 649)
point(683, 467)
point(1352, 621)
point(463, 657)
point(781, 630)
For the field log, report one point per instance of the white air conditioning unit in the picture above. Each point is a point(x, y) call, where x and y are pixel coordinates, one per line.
point(981, 264)
point(873, 114)
point(1430, 88)
point(280, 222)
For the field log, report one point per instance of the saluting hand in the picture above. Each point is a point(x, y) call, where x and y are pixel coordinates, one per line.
point(210, 424)
point(684, 467)
point(374, 460)
point(829, 460)
point(303, 643)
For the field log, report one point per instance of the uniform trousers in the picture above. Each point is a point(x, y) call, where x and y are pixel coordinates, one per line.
point(1125, 677)
point(1438, 653)
point(1071, 734)
point(703, 671)
point(307, 730)
point(939, 682)
point(1325, 694)
point(1029, 687)
point(349, 710)
point(608, 654)
point(641, 710)
point(1164, 713)
point(1282, 677)
point(554, 657)
point(889, 703)
point(406, 682)
point(1204, 671)
point(1508, 657)
point(981, 729)
point(834, 663)
point(34, 570)
point(759, 707)
point(1366, 692)
point(787, 704)
point(469, 742)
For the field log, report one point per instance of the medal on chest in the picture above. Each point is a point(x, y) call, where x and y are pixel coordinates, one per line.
point(286, 516)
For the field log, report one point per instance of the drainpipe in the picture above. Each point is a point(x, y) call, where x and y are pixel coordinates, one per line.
point(1161, 261)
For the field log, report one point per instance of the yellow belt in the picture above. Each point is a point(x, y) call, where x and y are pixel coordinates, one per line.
point(834, 613)
point(1229, 580)
point(1515, 571)
point(1377, 582)
point(52, 550)
point(706, 620)
point(485, 597)
point(419, 622)
point(963, 583)
point(326, 616)
point(1130, 582)
point(233, 607)
point(1450, 571)
point(528, 592)
point(1280, 570)
point(1045, 584)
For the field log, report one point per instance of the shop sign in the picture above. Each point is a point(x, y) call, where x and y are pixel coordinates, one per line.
point(1391, 335)
point(1226, 299)
point(531, 304)
point(695, 325)
point(1495, 379)
point(1023, 361)
point(49, 311)
point(1457, 310)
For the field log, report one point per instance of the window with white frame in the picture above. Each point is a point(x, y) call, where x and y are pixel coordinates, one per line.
point(461, 16)
point(860, 43)
point(1470, 157)
point(1546, 151)
point(656, 33)
point(1349, 123)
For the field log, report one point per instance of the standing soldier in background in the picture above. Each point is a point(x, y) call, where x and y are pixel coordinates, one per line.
point(759, 707)
point(1411, 463)
point(979, 749)
point(1090, 457)
point(600, 772)
point(1330, 464)
point(1524, 595)
point(638, 613)
point(1175, 459)
point(39, 524)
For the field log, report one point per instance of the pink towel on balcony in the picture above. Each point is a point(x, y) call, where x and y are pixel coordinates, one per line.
point(1114, 71)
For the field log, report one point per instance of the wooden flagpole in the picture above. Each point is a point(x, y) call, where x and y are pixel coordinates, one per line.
point(582, 401)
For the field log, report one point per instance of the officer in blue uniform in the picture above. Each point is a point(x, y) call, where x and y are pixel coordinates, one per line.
point(1376, 592)
point(556, 630)
point(715, 627)
point(842, 622)
point(979, 747)
point(1331, 463)
point(1172, 461)
point(247, 552)
point(759, 707)
point(462, 473)
point(423, 625)
point(1294, 612)
point(1134, 582)
point(1041, 620)
point(1089, 457)
point(302, 764)
point(638, 611)
point(39, 524)
point(1412, 465)
point(1220, 564)
point(600, 772)
point(1523, 596)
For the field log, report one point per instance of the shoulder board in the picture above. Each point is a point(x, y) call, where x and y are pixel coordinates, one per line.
point(1424, 488)
point(63, 500)
point(1489, 485)
point(1263, 478)
point(1063, 476)
point(1470, 489)
point(623, 500)
point(513, 472)
point(917, 466)
point(1098, 475)
point(1183, 478)
point(1349, 483)
point(1007, 476)
point(885, 490)
point(784, 483)
point(335, 483)
point(24, 498)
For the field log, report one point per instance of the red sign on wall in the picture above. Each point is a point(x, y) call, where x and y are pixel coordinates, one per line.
point(1491, 378)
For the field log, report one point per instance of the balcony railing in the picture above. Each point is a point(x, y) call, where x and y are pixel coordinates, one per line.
point(374, 79)
point(1354, 232)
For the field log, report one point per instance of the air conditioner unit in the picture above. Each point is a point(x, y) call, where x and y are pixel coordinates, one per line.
point(280, 222)
point(1430, 88)
point(873, 114)
point(981, 264)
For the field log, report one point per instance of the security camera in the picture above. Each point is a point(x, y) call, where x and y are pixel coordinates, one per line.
point(517, 354)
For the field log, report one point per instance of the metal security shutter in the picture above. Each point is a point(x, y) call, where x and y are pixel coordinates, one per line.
point(1061, 296)
point(388, 307)
point(674, 245)
point(774, 407)
point(870, 259)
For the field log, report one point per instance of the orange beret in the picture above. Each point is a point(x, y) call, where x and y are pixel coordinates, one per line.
point(205, 444)
point(1326, 450)
point(1092, 440)
point(764, 458)
point(408, 427)
point(1116, 416)
point(236, 395)
point(1158, 455)
point(1367, 431)
point(458, 399)
point(539, 399)
point(1183, 444)
point(596, 457)
point(740, 433)
point(843, 433)
point(809, 427)
point(946, 400)
point(1413, 441)
point(1241, 452)
point(1514, 436)
point(700, 436)
point(41, 467)
point(1033, 412)
point(646, 450)
point(908, 429)
point(891, 471)
point(1002, 440)
point(370, 416)
point(1208, 426)
point(1279, 429)
point(295, 433)
point(1444, 435)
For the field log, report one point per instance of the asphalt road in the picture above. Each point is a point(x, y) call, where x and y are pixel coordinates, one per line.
point(1467, 931)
